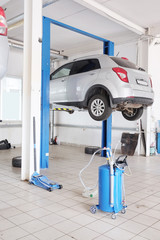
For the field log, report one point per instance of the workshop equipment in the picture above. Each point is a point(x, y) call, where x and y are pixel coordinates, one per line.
point(158, 142)
point(129, 143)
point(111, 187)
point(37, 179)
point(4, 144)
point(111, 184)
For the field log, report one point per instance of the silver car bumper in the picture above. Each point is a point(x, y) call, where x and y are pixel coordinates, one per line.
point(133, 100)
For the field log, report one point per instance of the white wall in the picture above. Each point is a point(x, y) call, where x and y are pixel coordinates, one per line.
point(12, 131)
point(15, 62)
point(154, 61)
point(154, 70)
point(78, 128)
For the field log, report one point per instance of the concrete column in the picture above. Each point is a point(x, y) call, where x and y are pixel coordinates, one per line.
point(143, 61)
point(31, 84)
point(154, 57)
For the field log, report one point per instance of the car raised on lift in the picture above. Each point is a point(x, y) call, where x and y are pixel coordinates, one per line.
point(4, 49)
point(102, 84)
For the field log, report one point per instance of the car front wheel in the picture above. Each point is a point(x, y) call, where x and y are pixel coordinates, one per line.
point(132, 114)
point(98, 107)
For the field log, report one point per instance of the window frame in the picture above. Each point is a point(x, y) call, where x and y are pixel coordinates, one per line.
point(124, 63)
point(73, 66)
point(88, 59)
point(59, 69)
point(15, 122)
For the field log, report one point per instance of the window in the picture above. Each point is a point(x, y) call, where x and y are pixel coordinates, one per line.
point(11, 98)
point(63, 71)
point(85, 66)
point(124, 63)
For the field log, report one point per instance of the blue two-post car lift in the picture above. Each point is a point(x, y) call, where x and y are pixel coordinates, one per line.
point(108, 48)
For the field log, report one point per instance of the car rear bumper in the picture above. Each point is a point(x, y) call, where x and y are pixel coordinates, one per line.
point(133, 100)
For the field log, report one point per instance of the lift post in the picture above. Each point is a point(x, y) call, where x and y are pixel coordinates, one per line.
point(44, 143)
point(108, 49)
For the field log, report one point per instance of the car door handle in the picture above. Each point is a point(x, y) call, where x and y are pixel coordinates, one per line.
point(92, 73)
point(63, 80)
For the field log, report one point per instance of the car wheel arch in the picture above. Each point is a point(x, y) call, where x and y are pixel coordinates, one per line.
point(96, 89)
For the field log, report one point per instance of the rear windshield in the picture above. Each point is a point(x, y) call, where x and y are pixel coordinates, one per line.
point(124, 63)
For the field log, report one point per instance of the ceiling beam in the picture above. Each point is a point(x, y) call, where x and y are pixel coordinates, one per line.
point(106, 12)
point(155, 31)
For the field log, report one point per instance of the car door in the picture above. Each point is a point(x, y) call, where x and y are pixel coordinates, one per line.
point(58, 81)
point(83, 75)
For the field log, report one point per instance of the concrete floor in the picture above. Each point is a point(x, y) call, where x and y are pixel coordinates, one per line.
point(28, 212)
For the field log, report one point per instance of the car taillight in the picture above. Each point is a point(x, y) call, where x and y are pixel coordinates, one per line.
point(124, 58)
point(121, 73)
point(3, 23)
point(151, 82)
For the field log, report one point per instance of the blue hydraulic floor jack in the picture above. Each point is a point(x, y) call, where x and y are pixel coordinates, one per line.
point(43, 182)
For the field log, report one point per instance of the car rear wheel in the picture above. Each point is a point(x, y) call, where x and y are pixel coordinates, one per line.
point(132, 114)
point(98, 107)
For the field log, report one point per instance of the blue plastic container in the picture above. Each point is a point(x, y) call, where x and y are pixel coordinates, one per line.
point(104, 189)
point(158, 143)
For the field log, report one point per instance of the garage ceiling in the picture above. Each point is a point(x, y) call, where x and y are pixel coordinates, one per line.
point(141, 12)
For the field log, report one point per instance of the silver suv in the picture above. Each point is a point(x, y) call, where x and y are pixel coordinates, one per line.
point(101, 84)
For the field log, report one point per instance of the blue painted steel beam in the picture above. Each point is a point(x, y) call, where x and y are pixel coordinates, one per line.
point(108, 48)
point(63, 25)
point(44, 154)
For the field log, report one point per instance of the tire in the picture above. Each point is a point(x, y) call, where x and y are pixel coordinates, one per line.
point(93, 209)
point(91, 150)
point(135, 114)
point(71, 111)
point(113, 216)
point(123, 211)
point(16, 161)
point(60, 187)
point(98, 107)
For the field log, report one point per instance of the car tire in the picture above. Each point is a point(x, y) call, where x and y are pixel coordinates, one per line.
point(98, 107)
point(135, 115)
point(91, 150)
point(16, 161)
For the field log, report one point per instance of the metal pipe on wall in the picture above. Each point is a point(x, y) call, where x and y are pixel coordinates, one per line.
point(54, 54)
point(51, 126)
